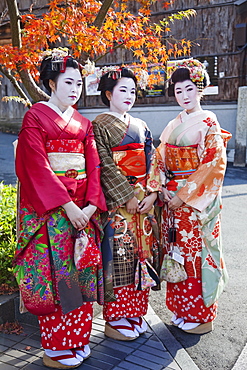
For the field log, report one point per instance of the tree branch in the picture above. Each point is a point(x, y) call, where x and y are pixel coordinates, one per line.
point(102, 13)
point(32, 88)
point(16, 85)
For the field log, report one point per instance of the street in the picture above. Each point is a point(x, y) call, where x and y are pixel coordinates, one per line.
point(220, 348)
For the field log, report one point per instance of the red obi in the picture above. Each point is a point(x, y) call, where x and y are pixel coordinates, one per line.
point(65, 145)
point(131, 160)
point(181, 161)
point(66, 158)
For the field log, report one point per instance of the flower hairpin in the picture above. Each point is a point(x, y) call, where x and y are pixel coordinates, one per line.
point(142, 78)
point(196, 69)
point(88, 68)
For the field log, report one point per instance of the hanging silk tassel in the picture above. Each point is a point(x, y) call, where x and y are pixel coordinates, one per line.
point(145, 275)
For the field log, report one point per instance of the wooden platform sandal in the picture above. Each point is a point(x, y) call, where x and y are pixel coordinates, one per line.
point(112, 332)
point(140, 324)
point(54, 361)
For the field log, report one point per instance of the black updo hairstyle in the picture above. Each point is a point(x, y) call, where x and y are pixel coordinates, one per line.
point(47, 71)
point(182, 74)
point(107, 82)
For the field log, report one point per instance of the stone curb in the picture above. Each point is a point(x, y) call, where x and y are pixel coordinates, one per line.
point(179, 354)
point(241, 363)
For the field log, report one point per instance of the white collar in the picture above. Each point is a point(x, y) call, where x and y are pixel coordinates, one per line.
point(66, 115)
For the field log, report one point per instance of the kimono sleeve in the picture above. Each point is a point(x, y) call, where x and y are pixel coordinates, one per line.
point(205, 183)
point(94, 194)
point(40, 185)
point(115, 186)
point(153, 175)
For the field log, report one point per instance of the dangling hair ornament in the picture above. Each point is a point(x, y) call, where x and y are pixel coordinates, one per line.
point(114, 72)
point(197, 70)
point(58, 58)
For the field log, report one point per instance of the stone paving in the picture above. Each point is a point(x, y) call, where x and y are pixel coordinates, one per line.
point(147, 352)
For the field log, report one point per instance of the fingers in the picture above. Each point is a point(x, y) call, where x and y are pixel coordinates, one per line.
point(82, 222)
point(132, 211)
point(167, 195)
point(144, 207)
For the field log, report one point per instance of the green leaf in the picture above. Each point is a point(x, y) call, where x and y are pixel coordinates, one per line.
point(37, 287)
point(27, 217)
point(42, 290)
point(61, 223)
point(22, 272)
point(57, 231)
point(40, 249)
point(38, 236)
point(16, 268)
point(70, 266)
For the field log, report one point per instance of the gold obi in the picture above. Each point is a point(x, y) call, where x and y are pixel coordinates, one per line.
point(180, 161)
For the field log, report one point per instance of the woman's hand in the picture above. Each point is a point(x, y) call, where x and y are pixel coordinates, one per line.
point(166, 193)
point(77, 217)
point(175, 203)
point(132, 206)
point(147, 203)
point(89, 210)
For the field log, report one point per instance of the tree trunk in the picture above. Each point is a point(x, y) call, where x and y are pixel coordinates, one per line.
point(32, 88)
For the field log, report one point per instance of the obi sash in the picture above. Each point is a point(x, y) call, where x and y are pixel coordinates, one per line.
point(180, 161)
point(66, 158)
point(131, 161)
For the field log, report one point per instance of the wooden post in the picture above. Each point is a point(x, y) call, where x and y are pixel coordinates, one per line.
point(241, 129)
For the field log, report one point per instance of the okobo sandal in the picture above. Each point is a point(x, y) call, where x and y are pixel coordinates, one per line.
point(63, 360)
point(140, 324)
point(114, 333)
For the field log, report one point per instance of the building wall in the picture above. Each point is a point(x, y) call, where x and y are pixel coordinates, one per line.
point(157, 117)
point(212, 33)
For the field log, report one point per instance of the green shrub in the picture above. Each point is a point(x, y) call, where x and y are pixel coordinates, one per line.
point(7, 233)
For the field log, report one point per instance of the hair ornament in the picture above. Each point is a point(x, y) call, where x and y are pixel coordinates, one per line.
point(142, 78)
point(58, 58)
point(196, 69)
point(88, 68)
point(114, 72)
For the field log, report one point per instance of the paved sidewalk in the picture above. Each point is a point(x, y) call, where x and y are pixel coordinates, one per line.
point(156, 349)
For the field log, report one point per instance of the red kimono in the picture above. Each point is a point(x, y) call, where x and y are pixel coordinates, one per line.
point(56, 162)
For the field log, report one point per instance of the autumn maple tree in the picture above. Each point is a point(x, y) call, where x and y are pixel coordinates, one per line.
point(91, 29)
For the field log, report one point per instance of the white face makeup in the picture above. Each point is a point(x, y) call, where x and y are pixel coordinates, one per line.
point(123, 95)
point(187, 96)
point(67, 89)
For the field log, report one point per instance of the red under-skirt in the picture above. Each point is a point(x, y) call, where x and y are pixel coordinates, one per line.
point(185, 300)
point(130, 303)
point(60, 332)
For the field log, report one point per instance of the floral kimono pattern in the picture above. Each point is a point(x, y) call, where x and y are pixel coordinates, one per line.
point(129, 168)
point(44, 259)
point(198, 173)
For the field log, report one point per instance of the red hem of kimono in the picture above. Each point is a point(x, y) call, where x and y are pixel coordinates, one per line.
point(72, 330)
point(130, 303)
point(185, 300)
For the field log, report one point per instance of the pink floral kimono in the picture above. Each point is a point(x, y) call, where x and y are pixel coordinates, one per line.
point(193, 152)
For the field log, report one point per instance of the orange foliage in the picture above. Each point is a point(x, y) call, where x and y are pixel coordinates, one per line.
point(73, 21)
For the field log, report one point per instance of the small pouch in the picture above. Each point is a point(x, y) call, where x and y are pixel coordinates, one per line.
point(172, 268)
point(86, 252)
